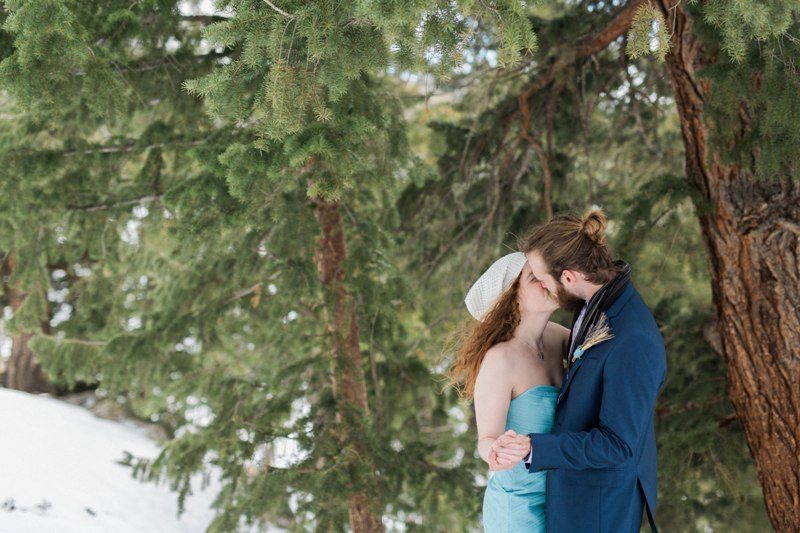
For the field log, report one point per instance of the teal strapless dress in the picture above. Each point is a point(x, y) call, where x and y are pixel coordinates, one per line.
point(514, 499)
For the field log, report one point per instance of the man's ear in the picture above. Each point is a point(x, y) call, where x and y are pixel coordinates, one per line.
point(568, 276)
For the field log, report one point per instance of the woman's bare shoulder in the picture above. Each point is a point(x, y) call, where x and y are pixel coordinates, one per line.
point(498, 356)
point(496, 369)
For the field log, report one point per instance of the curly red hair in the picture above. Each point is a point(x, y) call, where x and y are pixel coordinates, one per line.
point(497, 326)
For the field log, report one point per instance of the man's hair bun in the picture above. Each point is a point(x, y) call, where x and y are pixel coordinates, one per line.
point(593, 225)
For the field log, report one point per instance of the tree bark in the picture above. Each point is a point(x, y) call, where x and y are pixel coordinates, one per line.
point(752, 230)
point(349, 383)
point(23, 372)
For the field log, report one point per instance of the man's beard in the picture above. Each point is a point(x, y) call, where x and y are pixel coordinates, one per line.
point(568, 301)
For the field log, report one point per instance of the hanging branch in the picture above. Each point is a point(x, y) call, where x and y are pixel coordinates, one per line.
point(589, 46)
point(279, 10)
point(205, 19)
point(144, 66)
point(109, 205)
point(564, 59)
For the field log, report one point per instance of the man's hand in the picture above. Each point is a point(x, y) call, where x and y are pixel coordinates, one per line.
point(511, 448)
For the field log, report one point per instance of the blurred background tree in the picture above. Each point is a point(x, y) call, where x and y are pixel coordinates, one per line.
point(229, 269)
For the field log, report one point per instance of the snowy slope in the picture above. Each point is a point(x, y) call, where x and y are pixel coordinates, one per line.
point(58, 474)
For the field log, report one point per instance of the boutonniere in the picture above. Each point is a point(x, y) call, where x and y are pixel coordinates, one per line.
point(600, 331)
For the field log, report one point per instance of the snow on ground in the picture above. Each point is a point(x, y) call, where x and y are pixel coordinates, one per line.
point(58, 473)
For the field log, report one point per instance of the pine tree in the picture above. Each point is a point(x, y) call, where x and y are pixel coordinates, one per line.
point(264, 247)
point(732, 66)
point(256, 256)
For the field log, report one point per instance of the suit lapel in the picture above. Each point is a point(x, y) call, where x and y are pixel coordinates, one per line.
point(570, 376)
point(612, 312)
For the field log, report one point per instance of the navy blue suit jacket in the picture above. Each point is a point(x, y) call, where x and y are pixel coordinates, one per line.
point(600, 457)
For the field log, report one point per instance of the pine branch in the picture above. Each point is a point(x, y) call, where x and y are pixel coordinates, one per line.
point(279, 10)
point(587, 47)
point(243, 292)
point(670, 410)
point(100, 207)
point(130, 148)
point(82, 342)
point(205, 19)
point(170, 60)
point(564, 59)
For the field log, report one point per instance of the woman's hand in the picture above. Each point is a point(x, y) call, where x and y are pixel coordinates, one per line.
point(511, 448)
point(494, 464)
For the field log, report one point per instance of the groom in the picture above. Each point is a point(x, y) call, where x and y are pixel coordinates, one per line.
point(601, 453)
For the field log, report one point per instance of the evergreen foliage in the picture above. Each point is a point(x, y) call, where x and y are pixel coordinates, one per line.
point(160, 170)
point(188, 238)
point(755, 79)
point(648, 24)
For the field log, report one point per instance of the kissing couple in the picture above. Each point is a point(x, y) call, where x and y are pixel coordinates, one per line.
point(564, 416)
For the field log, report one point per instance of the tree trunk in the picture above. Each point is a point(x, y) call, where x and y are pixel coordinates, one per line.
point(23, 372)
point(752, 229)
point(349, 384)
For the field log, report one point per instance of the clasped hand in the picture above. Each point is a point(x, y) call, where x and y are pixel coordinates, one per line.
point(508, 449)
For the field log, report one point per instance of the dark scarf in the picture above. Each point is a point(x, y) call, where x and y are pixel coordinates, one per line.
point(602, 300)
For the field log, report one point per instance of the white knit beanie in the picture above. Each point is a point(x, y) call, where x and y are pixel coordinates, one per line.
point(493, 283)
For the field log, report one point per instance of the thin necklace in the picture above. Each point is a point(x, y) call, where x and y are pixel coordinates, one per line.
point(539, 347)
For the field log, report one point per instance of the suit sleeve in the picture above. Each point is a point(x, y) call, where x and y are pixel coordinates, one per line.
point(632, 377)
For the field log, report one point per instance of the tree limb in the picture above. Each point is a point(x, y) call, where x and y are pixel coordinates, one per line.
point(588, 46)
point(279, 10)
point(129, 148)
point(206, 19)
point(565, 57)
point(100, 207)
point(153, 64)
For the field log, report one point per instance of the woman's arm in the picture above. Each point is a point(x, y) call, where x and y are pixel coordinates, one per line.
point(492, 398)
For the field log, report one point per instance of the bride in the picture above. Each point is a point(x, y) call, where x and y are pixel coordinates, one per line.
point(511, 366)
